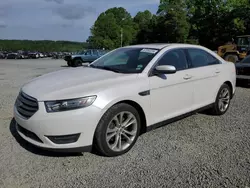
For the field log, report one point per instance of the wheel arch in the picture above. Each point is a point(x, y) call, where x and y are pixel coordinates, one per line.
point(231, 87)
point(134, 104)
point(140, 111)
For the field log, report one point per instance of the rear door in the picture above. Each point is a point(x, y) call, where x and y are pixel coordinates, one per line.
point(205, 72)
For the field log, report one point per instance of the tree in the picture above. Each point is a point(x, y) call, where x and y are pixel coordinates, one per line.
point(106, 31)
point(173, 23)
point(41, 45)
point(143, 26)
point(214, 22)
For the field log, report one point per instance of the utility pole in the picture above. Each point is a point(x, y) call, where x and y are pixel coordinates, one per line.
point(121, 36)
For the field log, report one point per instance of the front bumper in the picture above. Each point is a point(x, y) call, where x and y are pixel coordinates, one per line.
point(67, 58)
point(42, 127)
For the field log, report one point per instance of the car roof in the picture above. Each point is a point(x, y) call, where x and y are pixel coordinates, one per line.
point(162, 45)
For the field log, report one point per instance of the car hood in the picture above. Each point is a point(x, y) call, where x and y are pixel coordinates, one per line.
point(238, 65)
point(73, 83)
point(77, 55)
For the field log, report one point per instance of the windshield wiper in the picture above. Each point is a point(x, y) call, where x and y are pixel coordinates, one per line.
point(106, 68)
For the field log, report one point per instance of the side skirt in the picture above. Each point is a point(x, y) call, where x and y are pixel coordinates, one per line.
point(166, 122)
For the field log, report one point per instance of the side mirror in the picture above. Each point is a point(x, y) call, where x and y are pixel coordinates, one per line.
point(164, 69)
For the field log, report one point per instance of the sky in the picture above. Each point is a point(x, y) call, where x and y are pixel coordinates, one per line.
point(59, 19)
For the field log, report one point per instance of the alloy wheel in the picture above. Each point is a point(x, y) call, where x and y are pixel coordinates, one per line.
point(224, 99)
point(121, 131)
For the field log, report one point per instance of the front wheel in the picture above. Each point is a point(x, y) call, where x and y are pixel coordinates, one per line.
point(223, 100)
point(77, 63)
point(118, 130)
point(69, 63)
point(232, 58)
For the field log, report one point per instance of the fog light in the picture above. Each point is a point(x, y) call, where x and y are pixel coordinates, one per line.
point(65, 139)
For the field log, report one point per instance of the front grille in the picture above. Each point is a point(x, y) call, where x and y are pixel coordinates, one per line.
point(67, 58)
point(29, 134)
point(26, 106)
point(243, 71)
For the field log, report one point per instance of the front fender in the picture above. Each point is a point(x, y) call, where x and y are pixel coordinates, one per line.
point(142, 101)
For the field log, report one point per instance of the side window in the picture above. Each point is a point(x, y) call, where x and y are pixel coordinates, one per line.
point(175, 58)
point(88, 52)
point(201, 58)
point(212, 60)
point(95, 52)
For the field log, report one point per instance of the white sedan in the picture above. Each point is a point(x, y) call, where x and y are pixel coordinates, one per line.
point(121, 95)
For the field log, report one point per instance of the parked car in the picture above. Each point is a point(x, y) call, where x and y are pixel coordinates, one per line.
point(86, 56)
point(130, 90)
point(33, 55)
point(2, 55)
point(41, 55)
point(25, 55)
point(13, 56)
point(243, 70)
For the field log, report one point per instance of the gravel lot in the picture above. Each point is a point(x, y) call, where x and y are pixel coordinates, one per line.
point(199, 151)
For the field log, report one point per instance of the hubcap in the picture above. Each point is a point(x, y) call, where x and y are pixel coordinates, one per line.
point(121, 131)
point(224, 100)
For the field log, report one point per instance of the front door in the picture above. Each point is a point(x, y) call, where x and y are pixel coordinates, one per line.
point(172, 94)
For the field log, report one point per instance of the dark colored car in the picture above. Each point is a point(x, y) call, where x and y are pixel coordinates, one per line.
point(2, 55)
point(243, 70)
point(33, 55)
point(13, 56)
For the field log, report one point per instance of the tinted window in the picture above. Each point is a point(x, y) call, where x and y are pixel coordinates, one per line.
point(95, 52)
point(201, 58)
point(88, 52)
point(176, 58)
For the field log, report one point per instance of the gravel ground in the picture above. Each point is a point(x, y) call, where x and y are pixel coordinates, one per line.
point(199, 151)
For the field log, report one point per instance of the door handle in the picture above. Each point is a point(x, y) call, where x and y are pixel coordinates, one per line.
point(187, 77)
point(217, 71)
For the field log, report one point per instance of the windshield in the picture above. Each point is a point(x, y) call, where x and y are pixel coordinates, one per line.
point(126, 60)
point(243, 41)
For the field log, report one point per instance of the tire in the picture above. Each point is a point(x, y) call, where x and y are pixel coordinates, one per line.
point(232, 58)
point(107, 122)
point(77, 62)
point(69, 63)
point(217, 108)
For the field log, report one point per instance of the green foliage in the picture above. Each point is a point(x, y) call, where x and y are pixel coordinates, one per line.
point(173, 21)
point(107, 30)
point(144, 25)
point(42, 46)
point(207, 22)
point(214, 22)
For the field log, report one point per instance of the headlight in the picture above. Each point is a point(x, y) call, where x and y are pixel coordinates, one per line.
point(70, 104)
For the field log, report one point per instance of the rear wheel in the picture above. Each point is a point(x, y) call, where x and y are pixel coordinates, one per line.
point(118, 130)
point(223, 100)
point(232, 58)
